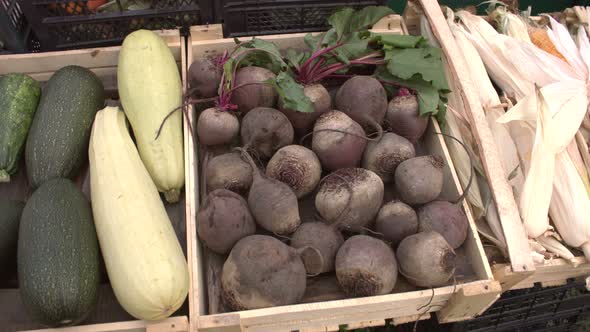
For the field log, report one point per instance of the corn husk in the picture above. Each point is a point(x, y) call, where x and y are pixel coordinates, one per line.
point(462, 159)
point(489, 45)
point(570, 205)
point(553, 245)
point(491, 103)
point(511, 24)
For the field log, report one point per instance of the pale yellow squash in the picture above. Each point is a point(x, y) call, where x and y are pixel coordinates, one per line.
point(144, 260)
point(150, 88)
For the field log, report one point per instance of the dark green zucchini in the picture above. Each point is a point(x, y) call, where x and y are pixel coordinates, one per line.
point(19, 97)
point(57, 146)
point(58, 257)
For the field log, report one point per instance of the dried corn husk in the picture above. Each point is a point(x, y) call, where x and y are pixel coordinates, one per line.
point(570, 205)
point(491, 103)
point(551, 244)
point(461, 157)
point(511, 24)
point(489, 45)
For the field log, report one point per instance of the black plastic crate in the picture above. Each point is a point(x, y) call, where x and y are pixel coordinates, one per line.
point(563, 308)
point(67, 24)
point(15, 31)
point(259, 17)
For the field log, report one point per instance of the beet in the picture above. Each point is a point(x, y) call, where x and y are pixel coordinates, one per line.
point(383, 156)
point(261, 272)
point(403, 117)
point(296, 166)
point(273, 203)
point(266, 130)
point(426, 259)
point(366, 266)
point(419, 180)
point(322, 103)
point(396, 220)
point(445, 218)
point(350, 198)
point(223, 220)
point(253, 95)
point(338, 141)
point(325, 238)
point(204, 77)
point(215, 127)
point(229, 171)
point(364, 99)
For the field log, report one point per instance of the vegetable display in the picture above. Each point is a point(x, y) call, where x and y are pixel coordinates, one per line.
point(19, 96)
point(150, 89)
point(318, 170)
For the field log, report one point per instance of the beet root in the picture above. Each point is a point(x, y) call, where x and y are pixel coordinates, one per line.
point(250, 96)
point(215, 127)
point(419, 180)
point(426, 259)
point(296, 166)
point(229, 171)
point(261, 272)
point(266, 130)
point(403, 117)
point(366, 266)
point(338, 141)
point(273, 203)
point(325, 238)
point(383, 156)
point(204, 77)
point(396, 220)
point(350, 198)
point(322, 103)
point(364, 99)
point(223, 220)
point(445, 218)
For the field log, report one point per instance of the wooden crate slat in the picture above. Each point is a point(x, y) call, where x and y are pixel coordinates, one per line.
point(518, 248)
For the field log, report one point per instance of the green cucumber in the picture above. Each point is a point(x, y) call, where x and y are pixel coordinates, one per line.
point(19, 97)
point(58, 258)
point(57, 146)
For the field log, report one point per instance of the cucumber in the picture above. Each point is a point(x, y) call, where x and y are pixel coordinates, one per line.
point(58, 260)
point(19, 97)
point(57, 145)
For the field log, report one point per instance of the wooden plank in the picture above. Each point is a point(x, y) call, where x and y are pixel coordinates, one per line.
point(469, 302)
point(88, 58)
point(554, 272)
point(337, 312)
point(196, 303)
point(518, 248)
point(174, 324)
point(206, 32)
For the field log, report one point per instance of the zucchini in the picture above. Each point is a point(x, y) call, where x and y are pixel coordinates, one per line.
point(150, 88)
point(58, 260)
point(19, 96)
point(57, 145)
point(144, 260)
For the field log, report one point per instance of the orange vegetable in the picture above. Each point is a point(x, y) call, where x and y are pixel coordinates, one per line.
point(541, 39)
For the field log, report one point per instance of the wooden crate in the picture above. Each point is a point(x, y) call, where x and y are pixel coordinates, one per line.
point(324, 307)
point(521, 272)
point(108, 315)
